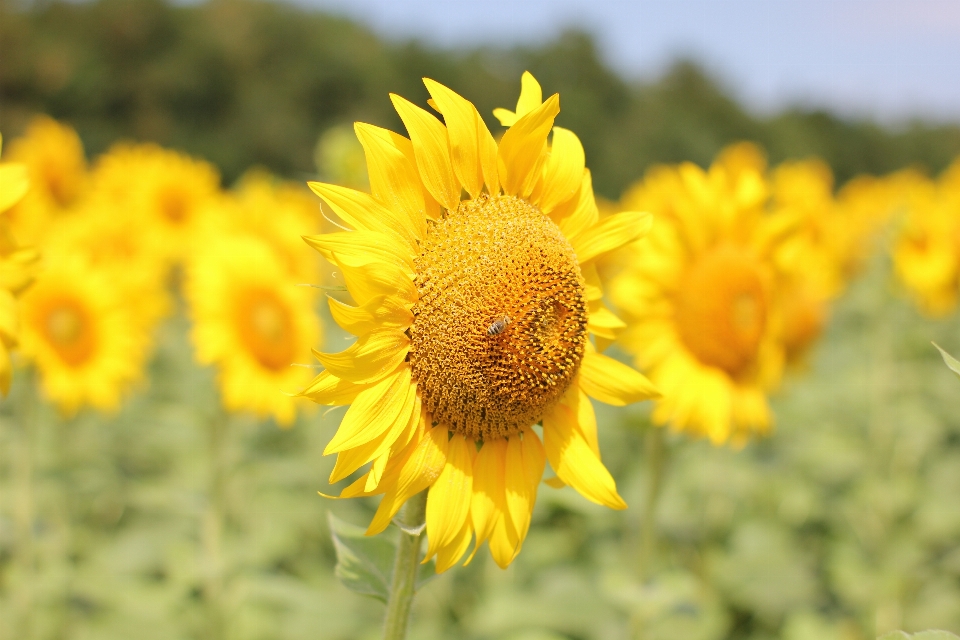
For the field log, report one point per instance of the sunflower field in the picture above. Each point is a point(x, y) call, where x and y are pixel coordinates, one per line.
point(303, 330)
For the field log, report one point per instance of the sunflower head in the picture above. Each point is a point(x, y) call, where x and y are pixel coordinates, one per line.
point(704, 293)
point(471, 265)
point(252, 323)
point(82, 335)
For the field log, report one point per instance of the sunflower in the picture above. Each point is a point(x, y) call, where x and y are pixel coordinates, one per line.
point(926, 252)
point(16, 264)
point(471, 266)
point(166, 192)
point(277, 212)
point(57, 166)
point(699, 296)
point(253, 323)
point(82, 336)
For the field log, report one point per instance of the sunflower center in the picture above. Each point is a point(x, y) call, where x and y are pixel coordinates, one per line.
point(173, 205)
point(69, 331)
point(721, 309)
point(500, 326)
point(266, 328)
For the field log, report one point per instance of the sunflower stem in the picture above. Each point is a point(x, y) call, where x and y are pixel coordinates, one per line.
point(405, 566)
point(655, 454)
point(212, 528)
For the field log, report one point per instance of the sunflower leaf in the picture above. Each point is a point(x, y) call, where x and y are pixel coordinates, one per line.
point(364, 564)
point(950, 361)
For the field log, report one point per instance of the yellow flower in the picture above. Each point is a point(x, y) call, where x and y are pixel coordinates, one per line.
point(473, 318)
point(166, 192)
point(699, 296)
point(80, 332)
point(278, 213)
point(53, 155)
point(927, 249)
point(105, 236)
point(252, 322)
point(16, 264)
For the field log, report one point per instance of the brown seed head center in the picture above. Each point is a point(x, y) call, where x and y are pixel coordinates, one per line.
point(721, 310)
point(69, 331)
point(500, 327)
point(266, 328)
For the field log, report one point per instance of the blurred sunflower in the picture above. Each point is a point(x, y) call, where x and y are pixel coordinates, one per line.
point(811, 273)
point(81, 334)
point(926, 252)
point(166, 192)
point(57, 166)
point(253, 323)
point(277, 212)
point(115, 243)
point(473, 319)
point(16, 264)
point(699, 296)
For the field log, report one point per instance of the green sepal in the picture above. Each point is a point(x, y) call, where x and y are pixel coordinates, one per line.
point(365, 563)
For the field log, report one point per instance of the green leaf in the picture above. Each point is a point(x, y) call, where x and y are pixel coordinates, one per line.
point(365, 563)
point(952, 362)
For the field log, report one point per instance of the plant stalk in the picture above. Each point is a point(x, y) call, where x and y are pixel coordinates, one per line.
point(212, 528)
point(405, 569)
point(655, 454)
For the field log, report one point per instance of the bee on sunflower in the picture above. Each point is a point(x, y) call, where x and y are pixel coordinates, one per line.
point(458, 233)
point(699, 295)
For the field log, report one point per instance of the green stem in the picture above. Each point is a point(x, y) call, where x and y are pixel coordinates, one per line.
point(655, 454)
point(405, 568)
point(212, 529)
point(24, 420)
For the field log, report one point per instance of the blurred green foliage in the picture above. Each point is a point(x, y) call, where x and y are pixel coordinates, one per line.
point(250, 82)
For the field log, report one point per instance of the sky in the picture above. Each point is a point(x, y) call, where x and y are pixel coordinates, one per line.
point(885, 59)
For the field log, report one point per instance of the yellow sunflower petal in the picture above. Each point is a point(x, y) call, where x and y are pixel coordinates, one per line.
point(448, 503)
point(580, 212)
point(448, 555)
point(358, 248)
point(531, 95)
point(381, 311)
point(363, 212)
point(611, 233)
point(375, 411)
point(418, 472)
point(370, 358)
point(14, 183)
point(504, 544)
point(392, 170)
point(525, 462)
point(521, 153)
point(327, 388)
point(488, 478)
point(563, 171)
point(396, 438)
point(377, 279)
point(431, 146)
point(602, 322)
point(613, 382)
point(466, 129)
point(574, 460)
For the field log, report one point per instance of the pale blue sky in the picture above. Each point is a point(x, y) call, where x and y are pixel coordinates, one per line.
point(883, 58)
